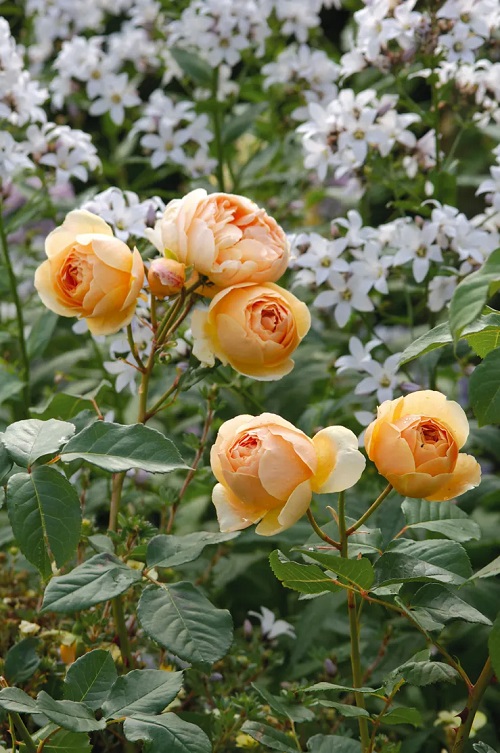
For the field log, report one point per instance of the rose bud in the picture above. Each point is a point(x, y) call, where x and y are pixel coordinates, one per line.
point(166, 277)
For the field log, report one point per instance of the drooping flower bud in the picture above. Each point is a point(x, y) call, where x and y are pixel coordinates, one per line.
point(166, 277)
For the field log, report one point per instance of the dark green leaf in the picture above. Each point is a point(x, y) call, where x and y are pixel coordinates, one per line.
point(142, 691)
point(32, 439)
point(332, 744)
point(41, 334)
point(494, 646)
point(434, 338)
point(5, 462)
point(472, 294)
point(63, 405)
point(358, 572)
point(10, 385)
point(423, 673)
point(488, 571)
point(483, 748)
point(193, 66)
point(15, 699)
point(45, 515)
point(76, 717)
point(180, 618)
point(166, 733)
point(269, 737)
point(90, 678)
point(403, 715)
point(114, 448)
point(308, 579)
point(102, 577)
point(344, 709)
point(484, 389)
point(22, 661)
point(450, 556)
point(396, 567)
point(445, 518)
point(275, 703)
point(320, 687)
point(446, 606)
point(171, 551)
point(63, 741)
point(236, 126)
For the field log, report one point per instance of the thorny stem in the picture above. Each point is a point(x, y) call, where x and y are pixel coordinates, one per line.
point(133, 348)
point(469, 712)
point(19, 314)
point(378, 720)
point(357, 675)
point(370, 510)
point(116, 493)
point(203, 441)
point(319, 531)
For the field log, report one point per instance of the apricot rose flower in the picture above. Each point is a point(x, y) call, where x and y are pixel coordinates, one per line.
point(267, 470)
point(90, 274)
point(415, 442)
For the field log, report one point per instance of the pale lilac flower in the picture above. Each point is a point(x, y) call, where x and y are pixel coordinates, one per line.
point(441, 289)
point(359, 355)
point(115, 95)
point(383, 378)
point(417, 245)
point(272, 627)
point(348, 293)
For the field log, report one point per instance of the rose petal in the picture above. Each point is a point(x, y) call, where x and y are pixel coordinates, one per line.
point(78, 221)
point(340, 463)
point(436, 405)
point(285, 517)
point(281, 470)
point(229, 519)
point(467, 475)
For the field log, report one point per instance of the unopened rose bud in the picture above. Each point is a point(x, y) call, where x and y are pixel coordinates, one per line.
point(166, 277)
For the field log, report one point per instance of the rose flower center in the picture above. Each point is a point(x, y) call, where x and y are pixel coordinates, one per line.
point(270, 320)
point(75, 276)
point(429, 441)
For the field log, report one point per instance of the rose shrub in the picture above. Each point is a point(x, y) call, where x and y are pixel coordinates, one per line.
point(415, 442)
point(226, 237)
point(267, 470)
point(254, 328)
point(90, 274)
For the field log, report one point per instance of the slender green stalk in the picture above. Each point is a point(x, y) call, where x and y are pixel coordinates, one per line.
point(357, 674)
point(25, 363)
point(319, 531)
point(23, 733)
point(116, 493)
point(133, 348)
point(469, 712)
point(370, 510)
point(121, 629)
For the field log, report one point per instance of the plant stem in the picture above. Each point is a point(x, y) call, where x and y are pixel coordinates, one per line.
point(19, 315)
point(357, 674)
point(116, 493)
point(23, 732)
point(122, 632)
point(319, 531)
point(370, 510)
point(469, 712)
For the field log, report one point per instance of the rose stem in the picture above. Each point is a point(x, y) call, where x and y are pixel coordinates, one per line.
point(319, 531)
point(469, 712)
point(357, 675)
point(19, 314)
point(370, 510)
point(203, 441)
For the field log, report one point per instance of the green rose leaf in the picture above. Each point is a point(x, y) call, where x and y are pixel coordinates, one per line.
point(62, 741)
point(193, 66)
point(115, 448)
point(269, 737)
point(180, 618)
point(22, 661)
point(403, 715)
point(308, 579)
point(446, 606)
point(166, 733)
point(30, 440)
point(358, 572)
point(76, 717)
point(90, 678)
point(45, 515)
point(489, 570)
point(441, 517)
point(142, 691)
point(484, 389)
point(344, 709)
point(15, 699)
point(102, 577)
point(421, 673)
point(483, 748)
point(171, 551)
point(5, 461)
point(472, 293)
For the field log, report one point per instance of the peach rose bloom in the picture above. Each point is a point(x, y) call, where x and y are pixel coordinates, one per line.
point(254, 328)
point(90, 274)
point(226, 237)
point(267, 470)
point(415, 442)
